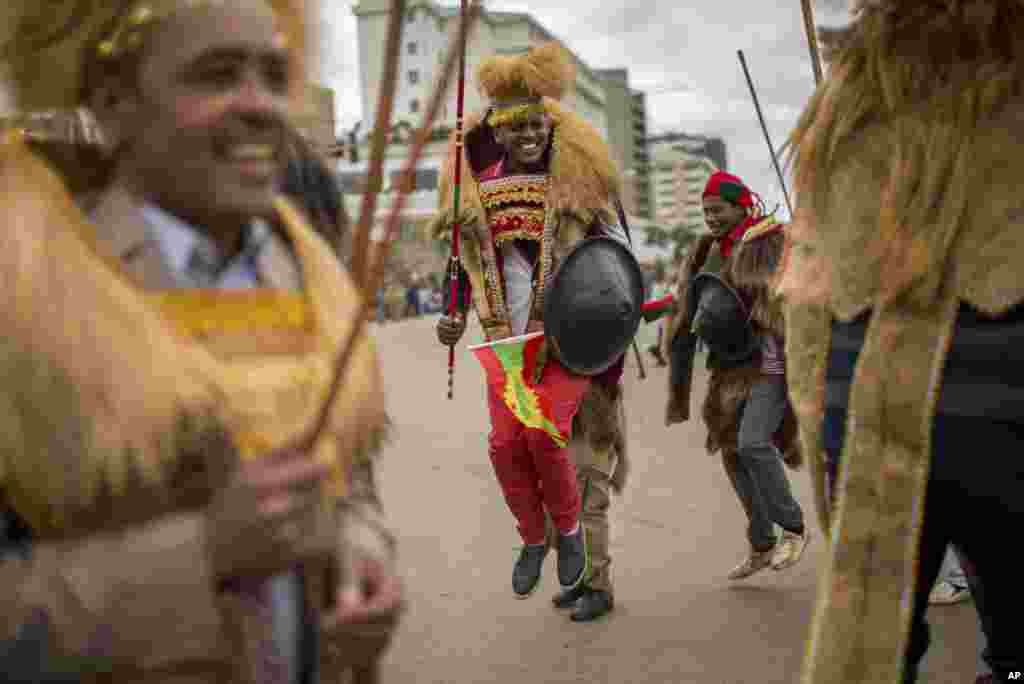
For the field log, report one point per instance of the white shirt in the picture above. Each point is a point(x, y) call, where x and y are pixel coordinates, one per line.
point(196, 261)
point(518, 286)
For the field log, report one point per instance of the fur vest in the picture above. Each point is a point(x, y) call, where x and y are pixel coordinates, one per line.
point(583, 184)
point(751, 269)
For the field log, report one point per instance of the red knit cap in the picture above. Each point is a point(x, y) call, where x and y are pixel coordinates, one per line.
point(730, 188)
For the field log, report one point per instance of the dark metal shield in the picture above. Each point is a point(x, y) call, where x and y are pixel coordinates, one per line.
point(721, 319)
point(592, 307)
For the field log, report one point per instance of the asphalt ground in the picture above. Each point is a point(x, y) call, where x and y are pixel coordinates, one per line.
point(677, 530)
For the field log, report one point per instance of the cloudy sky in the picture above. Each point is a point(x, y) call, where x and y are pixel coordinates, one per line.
point(682, 54)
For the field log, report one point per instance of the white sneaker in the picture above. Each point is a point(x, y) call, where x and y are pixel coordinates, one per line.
point(946, 594)
point(790, 549)
point(752, 564)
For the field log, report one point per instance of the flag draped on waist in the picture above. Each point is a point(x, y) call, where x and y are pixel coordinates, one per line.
point(510, 365)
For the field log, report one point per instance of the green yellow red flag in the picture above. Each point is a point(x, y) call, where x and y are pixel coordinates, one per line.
point(509, 366)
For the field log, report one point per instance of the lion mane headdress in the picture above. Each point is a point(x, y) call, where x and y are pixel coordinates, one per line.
point(582, 172)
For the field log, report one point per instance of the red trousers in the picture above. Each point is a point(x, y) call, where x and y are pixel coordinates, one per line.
point(533, 471)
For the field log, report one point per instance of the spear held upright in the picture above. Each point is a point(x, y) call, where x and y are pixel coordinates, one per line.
point(764, 129)
point(456, 183)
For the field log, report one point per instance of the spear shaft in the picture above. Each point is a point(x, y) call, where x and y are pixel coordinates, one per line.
point(812, 40)
point(764, 128)
point(456, 188)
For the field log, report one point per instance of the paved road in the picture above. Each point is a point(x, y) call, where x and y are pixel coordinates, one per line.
point(678, 530)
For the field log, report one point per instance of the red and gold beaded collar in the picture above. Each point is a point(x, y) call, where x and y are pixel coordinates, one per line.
point(515, 206)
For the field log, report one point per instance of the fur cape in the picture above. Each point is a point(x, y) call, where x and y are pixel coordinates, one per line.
point(907, 163)
point(118, 406)
point(583, 185)
point(752, 269)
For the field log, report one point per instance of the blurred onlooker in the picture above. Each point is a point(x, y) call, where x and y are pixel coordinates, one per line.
point(308, 180)
point(659, 288)
point(382, 314)
point(952, 586)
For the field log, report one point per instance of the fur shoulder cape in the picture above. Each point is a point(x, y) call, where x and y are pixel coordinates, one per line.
point(907, 163)
point(583, 176)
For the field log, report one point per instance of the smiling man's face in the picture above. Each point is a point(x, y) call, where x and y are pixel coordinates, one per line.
point(721, 216)
point(525, 141)
point(206, 135)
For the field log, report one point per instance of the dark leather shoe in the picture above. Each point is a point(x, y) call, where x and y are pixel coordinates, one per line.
point(526, 573)
point(593, 604)
point(573, 559)
point(569, 597)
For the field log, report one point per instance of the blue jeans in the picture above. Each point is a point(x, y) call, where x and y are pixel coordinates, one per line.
point(757, 473)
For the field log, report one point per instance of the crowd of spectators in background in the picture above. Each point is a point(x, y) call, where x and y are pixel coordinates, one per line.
point(418, 296)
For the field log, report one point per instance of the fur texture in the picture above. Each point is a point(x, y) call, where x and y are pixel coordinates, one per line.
point(752, 269)
point(921, 115)
point(583, 174)
point(600, 421)
point(144, 415)
point(677, 409)
point(47, 61)
point(583, 182)
point(546, 71)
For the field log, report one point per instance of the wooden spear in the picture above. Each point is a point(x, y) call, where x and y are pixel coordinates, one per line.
point(812, 40)
point(456, 186)
point(764, 128)
point(394, 220)
point(379, 140)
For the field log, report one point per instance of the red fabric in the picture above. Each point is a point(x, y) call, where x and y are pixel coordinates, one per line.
point(533, 472)
point(495, 170)
point(729, 240)
point(730, 188)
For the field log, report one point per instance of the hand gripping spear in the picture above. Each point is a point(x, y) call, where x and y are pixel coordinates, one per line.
point(456, 183)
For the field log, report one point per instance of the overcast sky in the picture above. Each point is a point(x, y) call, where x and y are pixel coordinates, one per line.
point(688, 50)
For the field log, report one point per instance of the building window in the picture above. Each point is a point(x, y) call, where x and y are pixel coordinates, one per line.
point(414, 106)
point(414, 76)
point(412, 48)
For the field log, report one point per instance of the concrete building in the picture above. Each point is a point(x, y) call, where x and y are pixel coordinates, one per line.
point(680, 167)
point(627, 137)
point(603, 98)
point(425, 36)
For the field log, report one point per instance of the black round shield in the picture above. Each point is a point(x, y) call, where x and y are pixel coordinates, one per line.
point(592, 307)
point(721, 319)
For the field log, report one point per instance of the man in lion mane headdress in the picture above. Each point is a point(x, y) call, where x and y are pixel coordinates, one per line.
point(165, 358)
point(905, 326)
point(538, 180)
